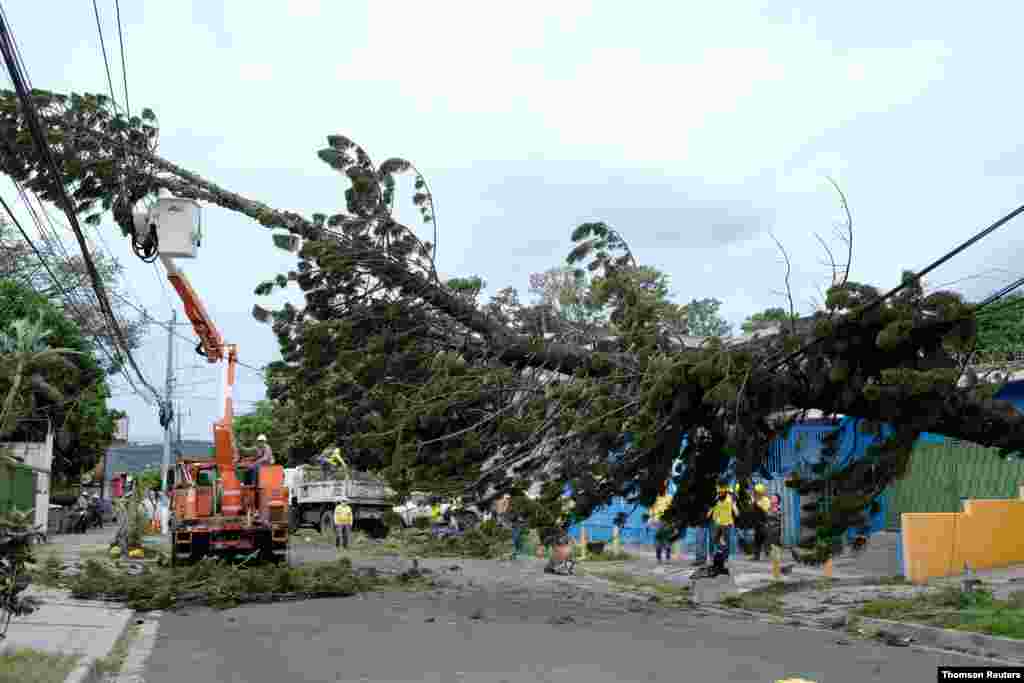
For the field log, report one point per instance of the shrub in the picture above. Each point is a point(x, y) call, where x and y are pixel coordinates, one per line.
point(392, 520)
point(16, 537)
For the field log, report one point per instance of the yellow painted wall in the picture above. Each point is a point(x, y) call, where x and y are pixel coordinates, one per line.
point(986, 535)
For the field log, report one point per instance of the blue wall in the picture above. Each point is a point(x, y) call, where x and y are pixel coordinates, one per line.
point(1014, 393)
point(800, 448)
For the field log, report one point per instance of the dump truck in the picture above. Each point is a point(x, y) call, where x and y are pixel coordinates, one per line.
point(313, 497)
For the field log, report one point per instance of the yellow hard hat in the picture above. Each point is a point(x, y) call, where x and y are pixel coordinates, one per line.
point(759, 488)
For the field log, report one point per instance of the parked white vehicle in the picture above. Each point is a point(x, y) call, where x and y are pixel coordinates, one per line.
point(416, 507)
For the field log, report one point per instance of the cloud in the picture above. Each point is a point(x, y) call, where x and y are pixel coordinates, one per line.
point(1009, 163)
point(693, 129)
point(649, 208)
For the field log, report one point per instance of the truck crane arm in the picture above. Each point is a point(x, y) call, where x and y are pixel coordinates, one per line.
point(212, 347)
point(211, 343)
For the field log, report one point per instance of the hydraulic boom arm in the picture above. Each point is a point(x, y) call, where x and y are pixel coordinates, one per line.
point(211, 344)
point(212, 347)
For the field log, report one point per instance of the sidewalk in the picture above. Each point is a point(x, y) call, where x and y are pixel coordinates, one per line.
point(63, 625)
point(748, 574)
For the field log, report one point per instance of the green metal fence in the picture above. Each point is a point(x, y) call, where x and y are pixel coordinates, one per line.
point(17, 488)
point(941, 474)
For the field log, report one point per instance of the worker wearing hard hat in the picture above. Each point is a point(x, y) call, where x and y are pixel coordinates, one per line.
point(264, 456)
point(723, 516)
point(762, 509)
point(332, 459)
point(663, 533)
point(342, 523)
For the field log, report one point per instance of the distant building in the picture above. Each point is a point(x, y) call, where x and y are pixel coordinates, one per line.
point(138, 457)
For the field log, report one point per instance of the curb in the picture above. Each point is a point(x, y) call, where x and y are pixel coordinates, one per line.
point(979, 645)
point(993, 647)
point(922, 644)
point(86, 672)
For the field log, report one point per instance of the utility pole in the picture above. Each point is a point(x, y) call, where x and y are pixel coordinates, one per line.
point(168, 418)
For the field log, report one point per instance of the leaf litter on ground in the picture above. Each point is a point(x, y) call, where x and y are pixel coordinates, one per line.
point(222, 584)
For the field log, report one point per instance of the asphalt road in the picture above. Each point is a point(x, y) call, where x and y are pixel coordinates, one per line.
point(504, 622)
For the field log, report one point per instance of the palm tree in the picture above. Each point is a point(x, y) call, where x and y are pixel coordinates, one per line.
point(23, 354)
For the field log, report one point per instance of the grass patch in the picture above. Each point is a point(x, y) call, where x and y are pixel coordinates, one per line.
point(33, 666)
point(977, 611)
point(114, 662)
point(893, 581)
point(769, 598)
point(221, 584)
point(755, 602)
point(666, 591)
point(607, 555)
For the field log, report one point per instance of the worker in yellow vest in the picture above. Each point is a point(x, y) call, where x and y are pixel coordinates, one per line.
point(723, 516)
point(762, 510)
point(435, 513)
point(342, 523)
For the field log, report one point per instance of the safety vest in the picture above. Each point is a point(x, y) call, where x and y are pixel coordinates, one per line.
point(435, 511)
point(722, 513)
point(659, 507)
point(335, 458)
point(342, 514)
point(765, 503)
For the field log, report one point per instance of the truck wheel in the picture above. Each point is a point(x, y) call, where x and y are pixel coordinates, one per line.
point(327, 525)
point(200, 548)
point(174, 549)
point(378, 530)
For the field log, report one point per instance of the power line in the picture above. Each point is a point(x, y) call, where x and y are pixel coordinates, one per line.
point(124, 68)
point(71, 296)
point(56, 281)
point(153, 320)
point(906, 283)
point(35, 249)
point(103, 48)
point(992, 298)
point(44, 150)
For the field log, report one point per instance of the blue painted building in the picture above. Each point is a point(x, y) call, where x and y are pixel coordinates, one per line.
point(799, 450)
point(1014, 393)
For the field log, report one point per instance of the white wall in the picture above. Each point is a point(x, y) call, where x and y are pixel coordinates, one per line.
point(38, 456)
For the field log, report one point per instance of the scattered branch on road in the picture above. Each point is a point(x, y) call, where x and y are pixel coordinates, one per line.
point(220, 584)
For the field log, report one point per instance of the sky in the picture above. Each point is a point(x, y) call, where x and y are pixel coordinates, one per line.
point(702, 132)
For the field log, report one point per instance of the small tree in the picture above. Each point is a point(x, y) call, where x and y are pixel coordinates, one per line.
point(767, 316)
point(23, 352)
point(550, 514)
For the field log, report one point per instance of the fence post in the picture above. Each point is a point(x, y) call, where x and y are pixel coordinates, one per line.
point(583, 542)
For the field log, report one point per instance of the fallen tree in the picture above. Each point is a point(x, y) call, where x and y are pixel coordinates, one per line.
point(420, 382)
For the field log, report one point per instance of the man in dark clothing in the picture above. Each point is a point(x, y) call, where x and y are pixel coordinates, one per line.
point(95, 513)
point(515, 521)
point(664, 537)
